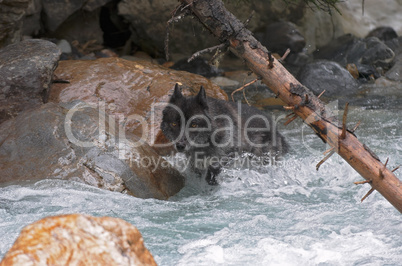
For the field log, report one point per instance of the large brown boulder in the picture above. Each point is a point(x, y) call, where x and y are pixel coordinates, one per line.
point(79, 142)
point(135, 92)
point(78, 239)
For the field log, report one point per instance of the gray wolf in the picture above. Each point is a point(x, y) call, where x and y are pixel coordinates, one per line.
point(208, 129)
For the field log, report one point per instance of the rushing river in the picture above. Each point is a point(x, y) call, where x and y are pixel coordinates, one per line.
point(288, 214)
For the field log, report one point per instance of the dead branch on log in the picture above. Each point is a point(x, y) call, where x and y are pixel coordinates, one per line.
point(319, 95)
point(245, 98)
point(291, 119)
point(242, 87)
point(282, 59)
point(357, 125)
point(249, 18)
point(362, 182)
point(219, 48)
point(345, 114)
point(331, 152)
point(227, 28)
point(368, 194)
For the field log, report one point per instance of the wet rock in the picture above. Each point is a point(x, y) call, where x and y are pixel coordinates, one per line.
point(395, 44)
point(134, 91)
point(91, 5)
point(78, 142)
point(64, 46)
point(11, 18)
point(78, 239)
point(348, 49)
point(395, 73)
point(57, 11)
point(198, 66)
point(82, 27)
point(280, 36)
point(383, 33)
point(31, 20)
point(26, 71)
point(366, 54)
point(337, 50)
point(367, 72)
point(329, 76)
point(376, 53)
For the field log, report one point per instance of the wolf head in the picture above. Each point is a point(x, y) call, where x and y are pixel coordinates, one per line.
point(186, 121)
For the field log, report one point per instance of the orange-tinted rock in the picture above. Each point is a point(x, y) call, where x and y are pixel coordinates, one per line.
point(128, 88)
point(78, 239)
point(353, 70)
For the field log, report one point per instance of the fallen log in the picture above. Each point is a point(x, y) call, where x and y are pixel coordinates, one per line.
point(233, 34)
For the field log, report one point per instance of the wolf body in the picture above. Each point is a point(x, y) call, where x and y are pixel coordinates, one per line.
point(208, 129)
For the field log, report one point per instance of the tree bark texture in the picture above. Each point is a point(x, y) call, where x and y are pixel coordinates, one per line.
point(228, 29)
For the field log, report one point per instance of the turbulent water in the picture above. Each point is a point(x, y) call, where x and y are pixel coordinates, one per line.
point(288, 214)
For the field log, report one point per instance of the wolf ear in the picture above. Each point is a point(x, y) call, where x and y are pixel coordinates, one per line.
point(176, 93)
point(202, 97)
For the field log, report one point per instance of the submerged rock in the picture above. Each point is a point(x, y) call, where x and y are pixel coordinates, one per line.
point(79, 142)
point(135, 92)
point(329, 76)
point(26, 71)
point(78, 239)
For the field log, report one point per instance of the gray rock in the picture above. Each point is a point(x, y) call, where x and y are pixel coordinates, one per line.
point(91, 5)
point(348, 49)
point(395, 73)
point(32, 21)
point(75, 141)
point(11, 18)
point(329, 76)
point(72, 29)
point(376, 52)
point(368, 53)
point(337, 50)
point(26, 70)
point(57, 11)
point(383, 33)
point(64, 46)
point(280, 36)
